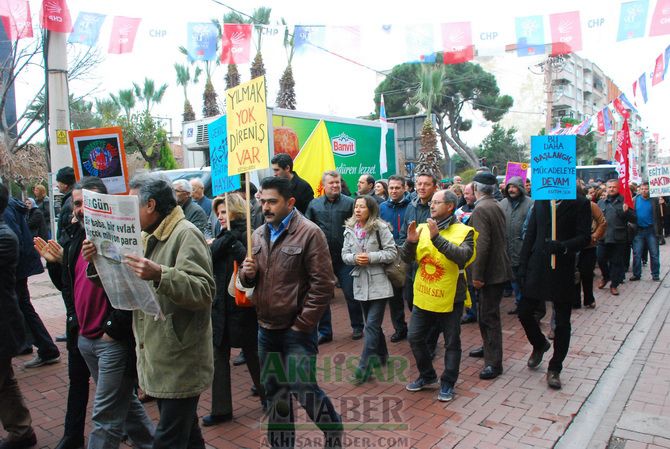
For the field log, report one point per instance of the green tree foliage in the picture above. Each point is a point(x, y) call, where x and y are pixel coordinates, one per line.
point(148, 93)
point(142, 134)
point(464, 86)
point(500, 147)
point(184, 80)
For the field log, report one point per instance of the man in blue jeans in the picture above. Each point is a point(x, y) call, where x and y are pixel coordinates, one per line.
point(649, 229)
point(293, 281)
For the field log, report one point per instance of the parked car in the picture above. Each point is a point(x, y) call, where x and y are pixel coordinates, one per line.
point(204, 173)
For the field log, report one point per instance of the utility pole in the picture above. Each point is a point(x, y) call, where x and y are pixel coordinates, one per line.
point(58, 119)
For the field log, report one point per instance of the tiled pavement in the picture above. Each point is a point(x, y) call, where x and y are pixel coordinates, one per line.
point(516, 410)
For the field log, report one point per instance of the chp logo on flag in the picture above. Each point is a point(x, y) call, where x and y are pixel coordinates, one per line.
point(344, 145)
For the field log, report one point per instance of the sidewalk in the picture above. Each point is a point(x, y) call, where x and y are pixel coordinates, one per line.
point(516, 410)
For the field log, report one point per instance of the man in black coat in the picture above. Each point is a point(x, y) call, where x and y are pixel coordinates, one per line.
point(14, 415)
point(282, 166)
point(539, 282)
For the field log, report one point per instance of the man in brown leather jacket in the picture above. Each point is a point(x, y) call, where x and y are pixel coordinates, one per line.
point(292, 278)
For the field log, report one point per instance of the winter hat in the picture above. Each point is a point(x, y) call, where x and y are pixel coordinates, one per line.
point(486, 178)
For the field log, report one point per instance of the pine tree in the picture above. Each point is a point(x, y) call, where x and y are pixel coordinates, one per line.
point(286, 94)
point(232, 77)
point(429, 157)
point(209, 106)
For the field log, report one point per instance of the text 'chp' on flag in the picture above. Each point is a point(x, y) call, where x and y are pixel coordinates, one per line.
point(56, 16)
point(16, 19)
point(315, 158)
point(122, 38)
point(236, 43)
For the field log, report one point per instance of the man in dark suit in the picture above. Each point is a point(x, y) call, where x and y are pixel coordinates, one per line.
point(542, 283)
point(490, 271)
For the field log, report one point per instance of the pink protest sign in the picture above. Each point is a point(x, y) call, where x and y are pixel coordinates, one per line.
point(516, 169)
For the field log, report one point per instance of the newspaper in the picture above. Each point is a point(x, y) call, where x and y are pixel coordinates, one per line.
point(112, 223)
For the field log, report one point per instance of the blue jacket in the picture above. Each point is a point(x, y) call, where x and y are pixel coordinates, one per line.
point(394, 214)
point(29, 259)
point(416, 211)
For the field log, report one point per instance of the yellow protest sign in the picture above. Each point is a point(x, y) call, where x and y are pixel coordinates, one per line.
point(246, 116)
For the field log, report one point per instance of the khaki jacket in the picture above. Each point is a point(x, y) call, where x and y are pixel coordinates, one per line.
point(295, 281)
point(174, 356)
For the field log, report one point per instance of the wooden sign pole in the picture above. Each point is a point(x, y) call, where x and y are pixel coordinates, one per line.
point(553, 231)
point(247, 190)
point(225, 199)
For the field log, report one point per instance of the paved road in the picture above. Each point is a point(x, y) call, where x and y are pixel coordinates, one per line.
point(616, 383)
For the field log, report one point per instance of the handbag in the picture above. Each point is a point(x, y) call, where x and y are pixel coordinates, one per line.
point(240, 296)
point(396, 271)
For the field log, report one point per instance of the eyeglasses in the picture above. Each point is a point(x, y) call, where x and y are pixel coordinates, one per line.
point(181, 191)
point(430, 203)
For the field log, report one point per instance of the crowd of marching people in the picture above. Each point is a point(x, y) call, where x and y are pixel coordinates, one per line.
point(440, 255)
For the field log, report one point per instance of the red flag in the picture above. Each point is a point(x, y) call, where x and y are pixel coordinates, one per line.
point(660, 21)
point(16, 19)
point(623, 164)
point(658, 71)
point(618, 105)
point(601, 122)
point(566, 33)
point(56, 16)
point(122, 38)
point(236, 45)
point(457, 42)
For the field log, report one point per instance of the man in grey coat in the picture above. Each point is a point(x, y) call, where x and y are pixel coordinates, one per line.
point(516, 205)
point(490, 271)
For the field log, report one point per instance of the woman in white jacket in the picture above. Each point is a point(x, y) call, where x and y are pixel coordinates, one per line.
point(369, 245)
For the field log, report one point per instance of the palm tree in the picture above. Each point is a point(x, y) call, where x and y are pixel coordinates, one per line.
point(108, 110)
point(431, 79)
point(286, 94)
point(260, 16)
point(125, 99)
point(184, 79)
point(149, 94)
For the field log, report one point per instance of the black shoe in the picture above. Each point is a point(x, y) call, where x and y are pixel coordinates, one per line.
point(357, 334)
point(656, 278)
point(514, 311)
point(467, 319)
point(61, 338)
point(554, 380)
point(536, 356)
point(254, 390)
point(324, 339)
point(68, 442)
point(489, 372)
point(26, 442)
point(634, 278)
point(212, 420)
point(241, 359)
point(398, 336)
point(478, 353)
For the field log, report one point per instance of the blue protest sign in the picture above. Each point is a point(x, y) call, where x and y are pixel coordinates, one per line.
point(218, 155)
point(553, 163)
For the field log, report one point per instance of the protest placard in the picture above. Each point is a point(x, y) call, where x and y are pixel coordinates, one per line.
point(112, 223)
point(218, 155)
point(659, 180)
point(247, 121)
point(100, 152)
point(554, 167)
point(519, 169)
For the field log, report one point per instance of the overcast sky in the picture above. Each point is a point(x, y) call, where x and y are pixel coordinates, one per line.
point(330, 85)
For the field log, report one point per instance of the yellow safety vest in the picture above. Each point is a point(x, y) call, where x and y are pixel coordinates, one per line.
point(436, 278)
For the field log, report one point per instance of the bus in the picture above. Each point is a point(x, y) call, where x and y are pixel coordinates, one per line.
point(595, 172)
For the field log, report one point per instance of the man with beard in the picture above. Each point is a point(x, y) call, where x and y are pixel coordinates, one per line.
point(102, 334)
point(612, 248)
point(516, 206)
point(329, 212)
